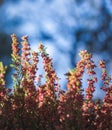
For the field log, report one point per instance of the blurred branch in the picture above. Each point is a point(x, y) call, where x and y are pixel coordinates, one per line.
point(1, 2)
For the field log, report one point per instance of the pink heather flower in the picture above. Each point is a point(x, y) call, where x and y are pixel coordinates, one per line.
point(102, 64)
point(15, 47)
point(25, 50)
point(49, 107)
point(51, 77)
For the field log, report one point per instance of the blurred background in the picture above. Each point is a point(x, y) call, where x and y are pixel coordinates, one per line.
point(64, 26)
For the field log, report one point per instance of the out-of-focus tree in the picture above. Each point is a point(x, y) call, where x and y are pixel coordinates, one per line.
point(1, 2)
point(97, 38)
point(5, 46)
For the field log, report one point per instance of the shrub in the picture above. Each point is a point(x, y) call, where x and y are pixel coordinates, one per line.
point(31, 105)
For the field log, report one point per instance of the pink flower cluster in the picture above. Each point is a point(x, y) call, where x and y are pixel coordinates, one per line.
point(32, 105)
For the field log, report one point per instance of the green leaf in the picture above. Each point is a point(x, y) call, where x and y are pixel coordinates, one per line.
point(12, 65)
point(13, 57)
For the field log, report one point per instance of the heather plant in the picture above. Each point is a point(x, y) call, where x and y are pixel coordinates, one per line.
point(33, 105)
